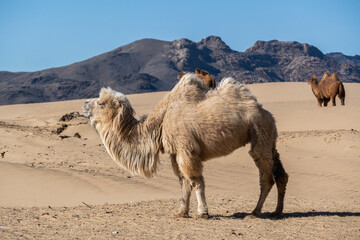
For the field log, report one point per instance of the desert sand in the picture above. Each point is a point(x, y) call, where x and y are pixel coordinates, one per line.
point(63, 185)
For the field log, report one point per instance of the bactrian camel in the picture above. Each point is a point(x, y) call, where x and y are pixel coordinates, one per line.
point(193, 124)
point(327, 89)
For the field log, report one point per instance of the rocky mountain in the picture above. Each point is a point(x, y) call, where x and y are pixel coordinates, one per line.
point(152, 65)
point(341, 58)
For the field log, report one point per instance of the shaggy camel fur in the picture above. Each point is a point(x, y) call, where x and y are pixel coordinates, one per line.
point(327, 89)
point(193, 126)
point(204, 76)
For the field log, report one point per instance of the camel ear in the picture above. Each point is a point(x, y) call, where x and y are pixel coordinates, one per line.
point(180, 75)
point(212, 83)
point(115, 104)
point(197, 70)
point(203, 72)
point(103, 91)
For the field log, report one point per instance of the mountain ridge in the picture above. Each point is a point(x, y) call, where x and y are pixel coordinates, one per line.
point(149, 65)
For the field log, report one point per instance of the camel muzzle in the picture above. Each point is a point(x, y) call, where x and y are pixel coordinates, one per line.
point(86, 108)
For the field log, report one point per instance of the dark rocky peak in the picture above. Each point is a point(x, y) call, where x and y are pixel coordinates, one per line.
point(184, 54)
point(6, 76)
point(142, 45)
point(183, 43)
point(312, 51)
point(293, 48)
point(344, 59)
point(214, 43)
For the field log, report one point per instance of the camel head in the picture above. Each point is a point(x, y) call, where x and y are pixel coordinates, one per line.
point(204, 76)
point(106, 107)
point(313, 80)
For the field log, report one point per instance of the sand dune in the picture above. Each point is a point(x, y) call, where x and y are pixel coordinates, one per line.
point(59, 185)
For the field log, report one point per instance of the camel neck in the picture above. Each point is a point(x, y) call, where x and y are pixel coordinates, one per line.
point(315, 88)
point(132, 145)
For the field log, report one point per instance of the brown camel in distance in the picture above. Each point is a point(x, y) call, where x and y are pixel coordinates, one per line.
point(204, 76)
point(192, 125)
point(327, 89)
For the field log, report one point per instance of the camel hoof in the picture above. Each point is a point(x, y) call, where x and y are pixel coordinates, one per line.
point(203, 216)
point(181, 215)
point(251, 216)
point(276, 215)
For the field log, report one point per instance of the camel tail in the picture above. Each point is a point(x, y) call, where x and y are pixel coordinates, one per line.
point(280, 175)
point(342, 93)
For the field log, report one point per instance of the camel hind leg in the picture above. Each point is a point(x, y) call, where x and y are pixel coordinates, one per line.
point(267, 159)
point(265, 165)
point(281, 179)
point(342, 99)
point(341, 94)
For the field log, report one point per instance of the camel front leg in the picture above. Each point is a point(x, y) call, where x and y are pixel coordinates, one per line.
point(199, 186)
point(326, 100)
point(186, 189)
point(191, 170)
point(333, 101)
point(320, 102)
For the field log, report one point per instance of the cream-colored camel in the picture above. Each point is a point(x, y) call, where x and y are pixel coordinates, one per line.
point(193, 124)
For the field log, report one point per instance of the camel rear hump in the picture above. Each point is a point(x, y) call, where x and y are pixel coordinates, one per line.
point(229, 87)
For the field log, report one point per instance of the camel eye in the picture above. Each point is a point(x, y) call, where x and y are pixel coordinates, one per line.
point(101, 103)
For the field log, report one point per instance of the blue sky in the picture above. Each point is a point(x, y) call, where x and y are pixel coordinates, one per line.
point(39, 34)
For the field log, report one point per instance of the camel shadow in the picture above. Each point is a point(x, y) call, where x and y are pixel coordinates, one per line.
point(242, 215)
point(320, 214)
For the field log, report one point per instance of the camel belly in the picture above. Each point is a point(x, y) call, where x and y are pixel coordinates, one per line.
point(207, 130)
point(205, 139)
point(222, 142)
